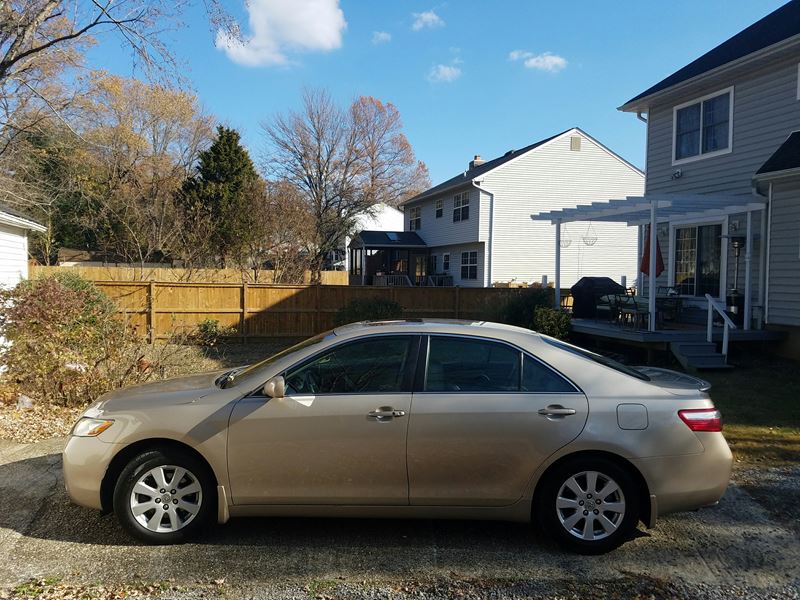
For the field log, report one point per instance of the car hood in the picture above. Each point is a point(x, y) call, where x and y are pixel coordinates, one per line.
point(179, 390)
point(674, 381)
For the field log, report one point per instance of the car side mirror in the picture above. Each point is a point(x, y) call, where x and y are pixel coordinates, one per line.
point(275, 387)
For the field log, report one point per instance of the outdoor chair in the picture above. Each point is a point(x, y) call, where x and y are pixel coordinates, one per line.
point(632, 312)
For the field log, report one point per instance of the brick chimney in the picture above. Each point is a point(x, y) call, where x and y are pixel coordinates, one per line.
point(476, 162)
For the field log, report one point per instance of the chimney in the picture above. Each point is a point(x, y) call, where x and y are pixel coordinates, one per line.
point(476, 162)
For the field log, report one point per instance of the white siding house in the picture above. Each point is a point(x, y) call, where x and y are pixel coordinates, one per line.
point(501, 194)
point(14, 246)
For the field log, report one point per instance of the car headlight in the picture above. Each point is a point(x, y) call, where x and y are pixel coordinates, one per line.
point(88, 427)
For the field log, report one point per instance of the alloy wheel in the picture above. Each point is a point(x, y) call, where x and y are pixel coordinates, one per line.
point(590, 505)
point(166, 498)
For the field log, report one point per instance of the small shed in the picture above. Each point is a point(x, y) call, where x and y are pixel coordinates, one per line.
point(14, 228)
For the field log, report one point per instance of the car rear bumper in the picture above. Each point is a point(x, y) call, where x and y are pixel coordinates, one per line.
point(689, 481)
point(85, 461)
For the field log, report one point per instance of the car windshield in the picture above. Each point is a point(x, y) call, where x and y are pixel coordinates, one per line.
point(598, 358)
point(231, 377)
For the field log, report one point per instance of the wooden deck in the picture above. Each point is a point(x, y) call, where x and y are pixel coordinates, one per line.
point(680, 332)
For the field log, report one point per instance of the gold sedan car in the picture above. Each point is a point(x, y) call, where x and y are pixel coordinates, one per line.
point(422, 419)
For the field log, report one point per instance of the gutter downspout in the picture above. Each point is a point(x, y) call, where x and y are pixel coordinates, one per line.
point(490, 241)
point(769, 247)
point(762, 257)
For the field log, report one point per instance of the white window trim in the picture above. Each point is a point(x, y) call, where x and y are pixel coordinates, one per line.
point(702, 155)
point(723, 260)
point(462, 264)
point(447, 270)
point(438, 205)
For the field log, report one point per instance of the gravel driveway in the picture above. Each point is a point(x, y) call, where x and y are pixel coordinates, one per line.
point(740, 548)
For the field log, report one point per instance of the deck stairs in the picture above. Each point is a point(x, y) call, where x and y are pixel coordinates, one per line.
point(697, 355)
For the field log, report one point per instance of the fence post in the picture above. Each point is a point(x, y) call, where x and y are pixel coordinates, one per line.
point(243, 315)
point(151, 312)
point(317, 304)
point(458, 303)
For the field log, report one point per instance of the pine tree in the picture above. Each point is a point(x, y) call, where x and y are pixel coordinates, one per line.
point(222, 189)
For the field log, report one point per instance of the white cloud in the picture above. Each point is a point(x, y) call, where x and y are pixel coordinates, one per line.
point(281, 26)
point(381, 37)
point(444, 73)
point(547, 61)
point(428, 19)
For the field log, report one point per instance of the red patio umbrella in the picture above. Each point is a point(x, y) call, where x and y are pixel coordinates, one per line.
point(645, 264)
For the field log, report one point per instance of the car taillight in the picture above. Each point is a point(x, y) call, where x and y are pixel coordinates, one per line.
point(702, 419)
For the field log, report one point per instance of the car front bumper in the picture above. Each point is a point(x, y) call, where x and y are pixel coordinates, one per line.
point(85, 461)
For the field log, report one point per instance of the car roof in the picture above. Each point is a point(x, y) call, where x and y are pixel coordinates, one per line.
point(455, 326)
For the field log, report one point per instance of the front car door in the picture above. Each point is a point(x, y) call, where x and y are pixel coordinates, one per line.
point(476, 434)
point(339, 434)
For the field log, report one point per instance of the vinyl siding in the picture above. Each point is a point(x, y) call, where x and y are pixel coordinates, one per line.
point(13, 255)
point(443, 231)
point(765, 112)
point(552, 177)
point(455, 263)
point(784, 267)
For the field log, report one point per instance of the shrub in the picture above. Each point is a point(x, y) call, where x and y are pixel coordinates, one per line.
point(64, 343)
point(209, 332)
point(520, 309)
point(554, 323)
point(369, 309)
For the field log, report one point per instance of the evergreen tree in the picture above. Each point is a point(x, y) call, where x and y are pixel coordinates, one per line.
point(222, 189)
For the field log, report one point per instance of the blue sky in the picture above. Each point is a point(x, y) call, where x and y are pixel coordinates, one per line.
point(448, 66)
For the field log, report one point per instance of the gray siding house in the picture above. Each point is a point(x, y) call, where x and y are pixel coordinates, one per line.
point(478, 227)
point(722, 187)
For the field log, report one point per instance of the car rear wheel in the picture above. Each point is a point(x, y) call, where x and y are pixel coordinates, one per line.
point(588, 505)
point(164, 496)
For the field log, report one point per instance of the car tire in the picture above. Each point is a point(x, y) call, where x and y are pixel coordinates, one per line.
point(567, 507)
point(157, 478)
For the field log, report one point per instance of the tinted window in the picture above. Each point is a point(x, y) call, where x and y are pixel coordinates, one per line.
point(603, 360)
point(374, 365)
point(540, 379)
point(468, 365)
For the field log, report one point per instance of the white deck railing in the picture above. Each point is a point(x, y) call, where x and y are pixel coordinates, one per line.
point(727, 324)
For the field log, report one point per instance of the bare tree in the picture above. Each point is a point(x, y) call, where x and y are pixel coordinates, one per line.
point(391, 172)
point(343, 162)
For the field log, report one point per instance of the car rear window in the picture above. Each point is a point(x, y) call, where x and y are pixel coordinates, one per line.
point(598, 358)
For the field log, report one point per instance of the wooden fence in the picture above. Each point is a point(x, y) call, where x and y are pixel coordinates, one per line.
point(113, 273)
point(160, 309)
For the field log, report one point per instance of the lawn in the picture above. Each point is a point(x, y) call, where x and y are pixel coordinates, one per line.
point(760, 404)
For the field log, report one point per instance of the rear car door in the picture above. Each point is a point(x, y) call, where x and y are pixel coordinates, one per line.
point(485, 417)
point(339, 434)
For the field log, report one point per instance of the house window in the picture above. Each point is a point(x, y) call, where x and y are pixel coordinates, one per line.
point(434, 264)
point(461, 207)
point(703, 127)
point(469, 265)
point(698, 256)
point(446, 262)
point(439, 208)
point(415, 212)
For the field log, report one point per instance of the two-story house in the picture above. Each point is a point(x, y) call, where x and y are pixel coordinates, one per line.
point(723, 178)
point(475, 229)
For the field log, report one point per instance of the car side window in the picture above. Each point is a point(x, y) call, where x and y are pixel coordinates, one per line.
point(470, 365)
point(376, 365)
point(539, 379)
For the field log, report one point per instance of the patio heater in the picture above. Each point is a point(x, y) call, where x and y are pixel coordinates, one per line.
point(735, 300)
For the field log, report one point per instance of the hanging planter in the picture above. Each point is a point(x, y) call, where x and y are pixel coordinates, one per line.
point(566, 241)
point(590, 237)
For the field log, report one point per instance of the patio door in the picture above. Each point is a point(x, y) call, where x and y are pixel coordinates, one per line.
point(698, 260)
point(420, 263)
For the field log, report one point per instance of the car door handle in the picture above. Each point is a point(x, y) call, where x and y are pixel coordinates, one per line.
point(556, 410)
point(385, 413)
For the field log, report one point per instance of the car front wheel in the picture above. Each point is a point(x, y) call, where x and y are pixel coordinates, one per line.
point(588, 505)
point(164, 496)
